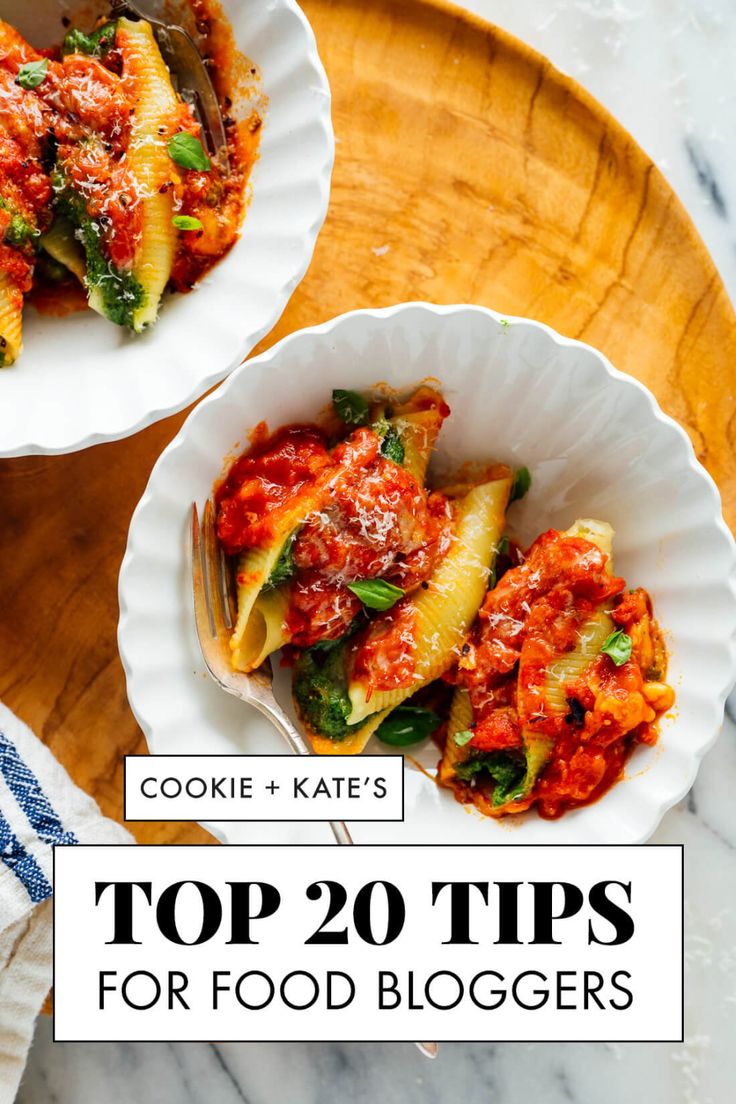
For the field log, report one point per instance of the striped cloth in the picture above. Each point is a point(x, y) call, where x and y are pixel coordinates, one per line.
point(40, 808)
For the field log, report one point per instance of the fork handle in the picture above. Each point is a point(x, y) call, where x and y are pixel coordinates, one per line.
point(299, 746)
point(340, 831)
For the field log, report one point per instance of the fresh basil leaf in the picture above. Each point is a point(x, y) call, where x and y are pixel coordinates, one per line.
point(376, 594)
point(187, 222)
point(326, 645)
point(188, 152)
point(408, 724)
point(351, 407)
point(463, 738)
point(618, 647)
point(32, 73)
point(522, 483)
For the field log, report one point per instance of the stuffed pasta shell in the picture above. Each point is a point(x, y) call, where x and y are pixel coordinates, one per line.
point(561, 676)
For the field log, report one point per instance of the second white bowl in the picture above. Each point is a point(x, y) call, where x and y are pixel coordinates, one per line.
point(80, 380)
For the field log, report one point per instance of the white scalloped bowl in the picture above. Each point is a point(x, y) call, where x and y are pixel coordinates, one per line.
point(597, 445)
point(80, 380)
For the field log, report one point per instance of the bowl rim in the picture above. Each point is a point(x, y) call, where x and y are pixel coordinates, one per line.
point(378, 316)
point(74, 442)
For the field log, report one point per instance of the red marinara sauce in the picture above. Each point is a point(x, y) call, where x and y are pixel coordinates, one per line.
point(384, 654)
point(533, 617)
point(25, 186)
point(264, 482)
point(357, 516)
point(78, 120)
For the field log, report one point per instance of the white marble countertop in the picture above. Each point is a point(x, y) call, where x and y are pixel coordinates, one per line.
point(666, 69)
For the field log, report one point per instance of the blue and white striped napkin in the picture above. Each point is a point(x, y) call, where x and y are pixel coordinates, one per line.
point(40, 807)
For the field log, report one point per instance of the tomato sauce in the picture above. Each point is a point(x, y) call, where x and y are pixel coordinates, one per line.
point(265, 482)
point(362, 517)
point(533, 617)
point(384, 658)
point(25, 186)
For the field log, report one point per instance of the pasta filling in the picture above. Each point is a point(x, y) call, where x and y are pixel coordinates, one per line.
point(118, 293)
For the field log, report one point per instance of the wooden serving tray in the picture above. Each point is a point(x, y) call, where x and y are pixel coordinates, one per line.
point(468, 170)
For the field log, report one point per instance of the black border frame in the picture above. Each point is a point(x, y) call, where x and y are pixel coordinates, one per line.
point(487, 846)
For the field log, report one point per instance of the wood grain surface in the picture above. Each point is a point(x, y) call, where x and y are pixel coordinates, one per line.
point(467, 169)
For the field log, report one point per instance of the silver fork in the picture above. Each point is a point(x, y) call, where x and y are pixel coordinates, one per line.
point(214, 614)
point(189, 71)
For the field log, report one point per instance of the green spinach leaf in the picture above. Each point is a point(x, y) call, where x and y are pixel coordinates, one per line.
point(522, 483)
point(284, 567)
point(408, 724)
point(351, 407)
point(97, 44)
point(391, 446)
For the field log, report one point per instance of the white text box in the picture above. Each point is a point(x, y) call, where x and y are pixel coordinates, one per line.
point(264, 787)
point(368, 943)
